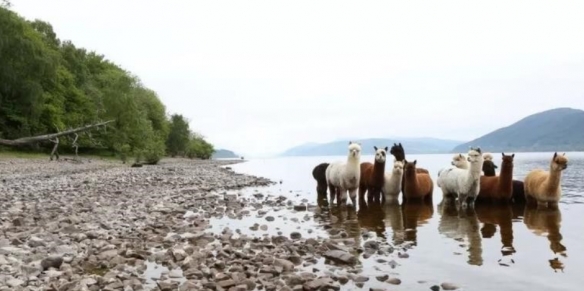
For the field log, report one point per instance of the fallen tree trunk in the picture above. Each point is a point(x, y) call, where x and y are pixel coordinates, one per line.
point(33, 139)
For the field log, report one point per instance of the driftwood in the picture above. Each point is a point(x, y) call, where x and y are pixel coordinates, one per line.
point(55, 151)
point(38, 138)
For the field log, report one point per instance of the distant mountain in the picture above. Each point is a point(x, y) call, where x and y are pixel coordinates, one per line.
point(224, 154)
point(560, 129)
point(339, 148)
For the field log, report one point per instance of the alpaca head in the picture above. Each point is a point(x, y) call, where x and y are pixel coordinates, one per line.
point(559, 163)
point(354, 150)
point(508, 159)
point(488, 157)
point(380, 154)
point(458, 160)
point(475, 155)
point(489, 168)
point(397, 150)
point(398, 167)
point(410, 167)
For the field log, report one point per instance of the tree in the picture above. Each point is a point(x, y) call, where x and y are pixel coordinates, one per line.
point(178, 136)
point(48, 86)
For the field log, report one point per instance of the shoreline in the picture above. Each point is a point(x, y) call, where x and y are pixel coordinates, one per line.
point(102, 225)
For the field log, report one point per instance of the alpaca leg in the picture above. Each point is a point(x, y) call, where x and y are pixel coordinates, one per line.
point(542, 204)
point(332, 193)
point(552, 205)
point(342, 195)
point(362, 190)
point(353, 195)
point(462, 200)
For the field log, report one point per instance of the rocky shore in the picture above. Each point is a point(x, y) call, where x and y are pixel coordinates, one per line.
point(101, 225)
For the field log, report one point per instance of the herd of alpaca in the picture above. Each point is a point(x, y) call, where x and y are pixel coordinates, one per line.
point(470, 178)
point(369, 178)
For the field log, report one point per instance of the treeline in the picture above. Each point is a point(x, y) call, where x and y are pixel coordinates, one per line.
point(48, 85)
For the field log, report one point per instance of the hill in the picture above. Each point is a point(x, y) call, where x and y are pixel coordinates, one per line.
point(560, 129)
point(339, 148)
point(224, 154)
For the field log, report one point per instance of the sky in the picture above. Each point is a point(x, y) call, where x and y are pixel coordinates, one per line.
point(259, 77)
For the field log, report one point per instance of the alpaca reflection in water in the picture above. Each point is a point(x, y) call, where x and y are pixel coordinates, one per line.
point(402, 219)
point(498, 215)
point(461, 225)
point(547, 222)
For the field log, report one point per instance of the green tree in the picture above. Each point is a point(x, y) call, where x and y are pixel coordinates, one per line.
point(178, 136)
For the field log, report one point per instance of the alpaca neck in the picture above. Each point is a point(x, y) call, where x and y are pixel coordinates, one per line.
point(378, 171)
point(400, 157)
point(353, 161)
point(475, 169)
point(506, 175)
point(411, 180)
point(553, 180)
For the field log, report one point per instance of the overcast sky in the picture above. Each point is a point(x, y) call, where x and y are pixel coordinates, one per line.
point(258, 77)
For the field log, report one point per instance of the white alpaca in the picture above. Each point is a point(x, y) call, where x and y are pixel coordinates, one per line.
point(344, 176)
point(392, 183)
point(459, 161)
point(463, 183)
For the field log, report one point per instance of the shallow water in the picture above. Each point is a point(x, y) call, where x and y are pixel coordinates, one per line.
point(505, 247)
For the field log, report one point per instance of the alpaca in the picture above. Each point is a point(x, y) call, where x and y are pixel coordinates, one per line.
point(392, 183)
point(544, 187)
point(489, 170)
point(372, 176)
point(397, 150)
point(498, 187)
point(459, 161)
point(488, 157)
point(416, 185)
point(463, 183)
point(518, 191)
point(319, 174)
point(344, 176)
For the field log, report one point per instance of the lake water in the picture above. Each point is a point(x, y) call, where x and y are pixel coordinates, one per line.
point(506, 247)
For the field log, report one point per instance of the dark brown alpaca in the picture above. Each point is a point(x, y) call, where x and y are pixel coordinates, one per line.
point(498, 187)
point(373, 176)
point(489, 168)
point(397, 150)
point(518, 191)
point(319, 174)
point(417, 186)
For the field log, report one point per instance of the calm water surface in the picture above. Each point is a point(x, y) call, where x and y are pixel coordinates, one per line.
point(505, 247)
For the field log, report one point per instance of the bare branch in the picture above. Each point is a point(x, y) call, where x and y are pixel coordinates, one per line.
point(32, 139)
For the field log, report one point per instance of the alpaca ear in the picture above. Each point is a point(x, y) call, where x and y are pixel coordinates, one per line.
point(564, 154)
point(350, 142)
point(400, 145)
point(513, 155)
point(415, 162)
point(375, 147)
point(460, 155)
point(503, 154)
point(555, 154)
point(386, 149)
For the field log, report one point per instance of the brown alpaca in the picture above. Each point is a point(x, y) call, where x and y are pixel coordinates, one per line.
point(498, 187)
point(544, 187)
point(397, 150)
point(373, 176)
point(416, 185)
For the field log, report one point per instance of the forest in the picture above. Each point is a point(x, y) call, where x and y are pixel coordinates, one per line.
point(48, 85)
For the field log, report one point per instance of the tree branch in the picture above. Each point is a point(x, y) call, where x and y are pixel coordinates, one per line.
point(33, 139)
